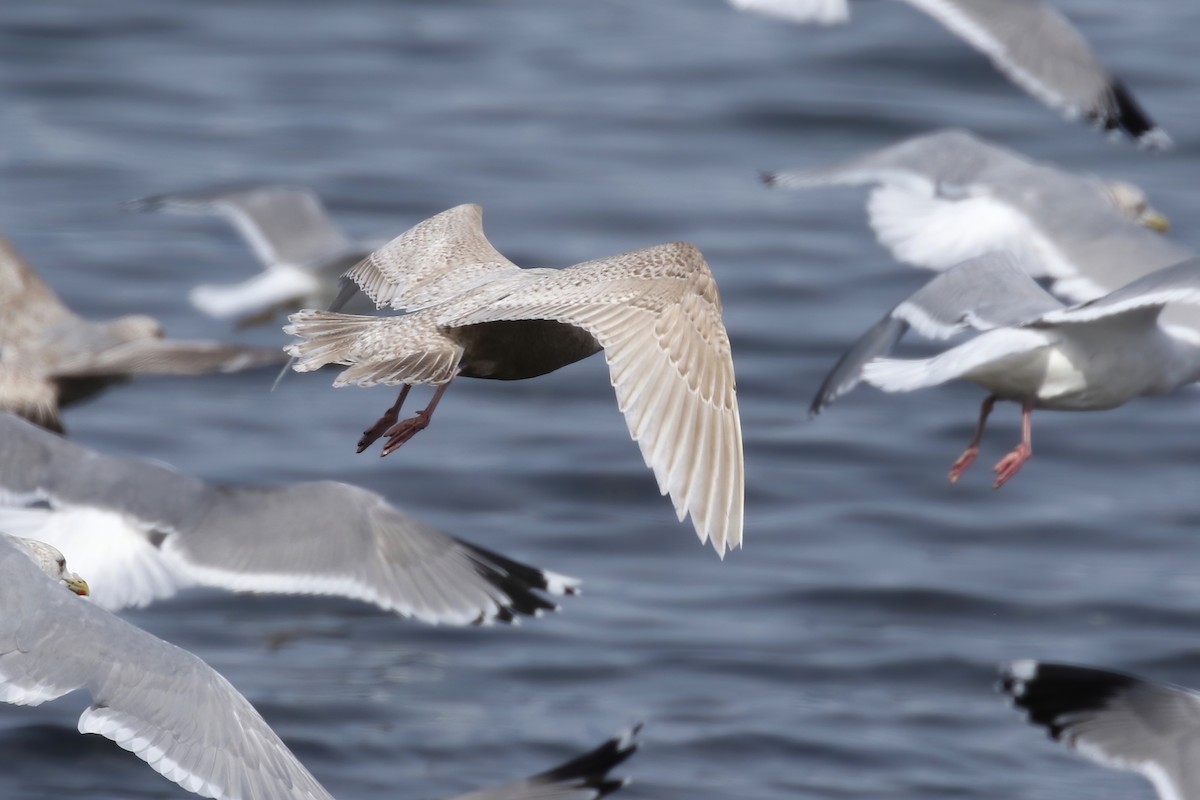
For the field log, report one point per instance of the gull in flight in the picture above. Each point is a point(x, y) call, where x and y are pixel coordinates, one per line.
point(1117, 720)
point(1032, 349)
point(1029, 41)
point(945, 197)
point(301, 250)
point(51, 357)
point(175, 712)
point(142, 532)
point(655, 313)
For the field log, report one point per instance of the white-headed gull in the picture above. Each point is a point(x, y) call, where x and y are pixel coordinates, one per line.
point(175, 712)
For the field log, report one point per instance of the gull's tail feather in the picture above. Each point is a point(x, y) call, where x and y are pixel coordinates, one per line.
point(327, 337)
point(346, 290)
point(421, 353)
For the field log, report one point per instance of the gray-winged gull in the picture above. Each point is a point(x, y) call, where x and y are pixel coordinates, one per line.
point(51, 561)
point(1031, 349)
point(944, 197)
point(301, 250)
point(1029, 41)
point(655, 312)
point(51, 357)
point(174, 712)
point(142, 532)
point(1117, 720)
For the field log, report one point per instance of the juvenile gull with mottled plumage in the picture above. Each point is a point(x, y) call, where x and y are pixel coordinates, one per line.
point(51, 357)
point(655, 313)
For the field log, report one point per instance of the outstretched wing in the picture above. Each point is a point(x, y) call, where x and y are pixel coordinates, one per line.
point(657, 314)
point(982, 294)
point(167, 357)
point(282, 224)
point(435, 260)
point(142, 531)
point(1040, 51)
point(161, 703)
point(27, 305)
point(1117, 720)
point(1176, 284)
point(584, 777)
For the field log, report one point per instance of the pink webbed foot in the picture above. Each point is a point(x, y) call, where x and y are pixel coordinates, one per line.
point(372, 434)
point(1011, 464)
point(964, 461)
point(402, 431)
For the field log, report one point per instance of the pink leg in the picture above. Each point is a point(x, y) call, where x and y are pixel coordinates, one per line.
point(404, 430)
point(386, 421)
point(1011, 464)
point(968, 456)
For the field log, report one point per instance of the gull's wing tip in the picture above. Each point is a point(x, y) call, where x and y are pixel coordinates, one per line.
point(591, 770)
point(1155, 140)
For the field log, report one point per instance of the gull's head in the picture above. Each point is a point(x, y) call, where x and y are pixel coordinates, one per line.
point(52, 562)
point(1132, 202)
point(135, 328)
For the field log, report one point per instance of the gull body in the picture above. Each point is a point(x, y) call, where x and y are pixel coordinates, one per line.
point(50, 357)
point(655, 313)
point(1030, 348)
point(175, 712)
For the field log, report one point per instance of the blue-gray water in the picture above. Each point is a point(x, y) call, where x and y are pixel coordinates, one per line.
point(849, 649)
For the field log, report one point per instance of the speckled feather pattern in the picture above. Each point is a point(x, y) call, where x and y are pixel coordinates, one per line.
point(656, 312)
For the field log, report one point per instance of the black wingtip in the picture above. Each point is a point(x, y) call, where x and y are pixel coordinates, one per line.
point(1053, 694)
point(591, 770)
point(1131, 118)
point(519, 582)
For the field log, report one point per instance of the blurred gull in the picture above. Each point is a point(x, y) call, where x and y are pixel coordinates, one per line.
point(174, 712)
point(142, 532)
point(655, 312)
point(1029, 41)
point(1031, 349)
point(1117, 720)
point(302, 251)
point(949, 196)
point(49, 356)
point(51, 561)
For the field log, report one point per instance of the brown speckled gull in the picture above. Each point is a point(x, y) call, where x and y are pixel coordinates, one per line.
point(655, 312)
point(51, 357)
